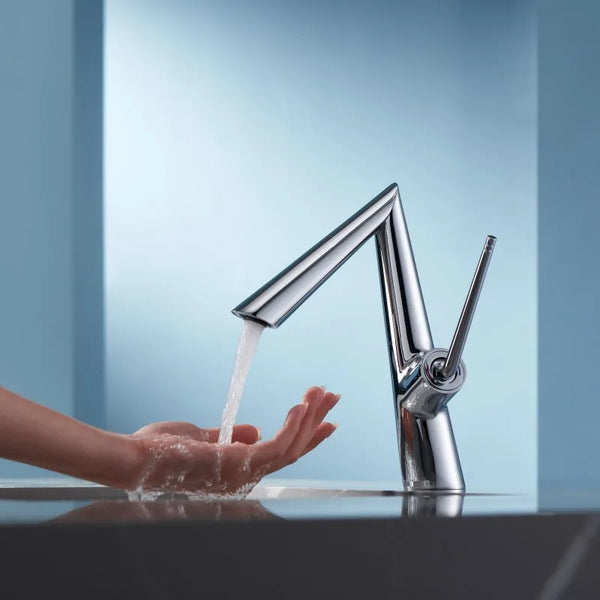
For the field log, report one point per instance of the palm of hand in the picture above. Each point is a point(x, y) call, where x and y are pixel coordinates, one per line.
point(182, 457)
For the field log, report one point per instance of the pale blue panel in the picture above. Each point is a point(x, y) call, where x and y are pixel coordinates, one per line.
point(569, 218)
point(88, 213)
point(51, 312)
point(35, 204)
point(239, 133)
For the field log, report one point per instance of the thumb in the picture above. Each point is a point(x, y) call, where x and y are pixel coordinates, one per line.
point(246, 434)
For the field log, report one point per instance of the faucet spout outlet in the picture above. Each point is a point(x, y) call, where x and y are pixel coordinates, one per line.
point(424, 378)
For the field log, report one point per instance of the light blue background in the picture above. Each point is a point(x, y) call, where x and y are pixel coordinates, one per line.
point(453, 68)
point(239, 133)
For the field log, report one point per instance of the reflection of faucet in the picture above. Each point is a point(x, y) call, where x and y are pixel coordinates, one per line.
point(432, 505)
point(424, 378)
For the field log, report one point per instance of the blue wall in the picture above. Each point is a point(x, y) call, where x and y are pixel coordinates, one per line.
point(569, 214)
point(295, 121)
point(50, 172)
point(88, 212)
point(239, 133)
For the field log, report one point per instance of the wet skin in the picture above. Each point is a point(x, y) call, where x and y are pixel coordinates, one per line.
point(182, 457)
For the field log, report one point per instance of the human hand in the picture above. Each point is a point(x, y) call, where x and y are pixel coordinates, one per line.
point(182, 457)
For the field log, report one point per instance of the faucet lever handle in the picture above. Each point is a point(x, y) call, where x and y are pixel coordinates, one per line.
point(466, 316)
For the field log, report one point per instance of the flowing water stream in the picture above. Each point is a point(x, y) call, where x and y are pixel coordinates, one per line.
point(167, 447)
point(243, 359)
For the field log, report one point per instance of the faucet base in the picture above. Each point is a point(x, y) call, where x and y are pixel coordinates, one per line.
point(428, 453)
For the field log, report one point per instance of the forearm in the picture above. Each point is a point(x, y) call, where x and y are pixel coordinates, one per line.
point(36, 435)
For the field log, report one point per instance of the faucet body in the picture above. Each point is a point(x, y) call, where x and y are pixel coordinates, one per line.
point(428, 453)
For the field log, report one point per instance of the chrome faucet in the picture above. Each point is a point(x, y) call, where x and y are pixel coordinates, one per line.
point(424, 378)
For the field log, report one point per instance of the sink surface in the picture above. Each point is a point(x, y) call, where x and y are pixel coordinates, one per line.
point(338, 532)
point(74, 489)
point(63, 498)
point(356, 539)
point(40, 500)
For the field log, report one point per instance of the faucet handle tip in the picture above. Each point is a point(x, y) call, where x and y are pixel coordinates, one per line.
point(464, 322)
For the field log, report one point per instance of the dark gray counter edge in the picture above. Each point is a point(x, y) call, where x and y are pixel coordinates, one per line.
point(476, 557)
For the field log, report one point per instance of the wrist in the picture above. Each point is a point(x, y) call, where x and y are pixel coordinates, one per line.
point(132, 464)
point(122, 466)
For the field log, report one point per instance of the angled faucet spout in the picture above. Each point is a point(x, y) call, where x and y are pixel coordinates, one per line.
point(428, 452)
point(273, 303)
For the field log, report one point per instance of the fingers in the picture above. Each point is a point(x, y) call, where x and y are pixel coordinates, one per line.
point(319, 404)
point(178, 428)
point(313, 400)
point(246, 434)
point(329, 401)
point(267, 452)
point(323, 432)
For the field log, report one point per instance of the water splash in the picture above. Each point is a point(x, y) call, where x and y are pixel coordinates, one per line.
point(243, 359)
point(172, 460)
point(173, 452)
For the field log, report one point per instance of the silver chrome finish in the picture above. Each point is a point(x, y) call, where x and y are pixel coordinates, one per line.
point(428, 454)
point(424, 394)
point(432, 505)
point(464, 322)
